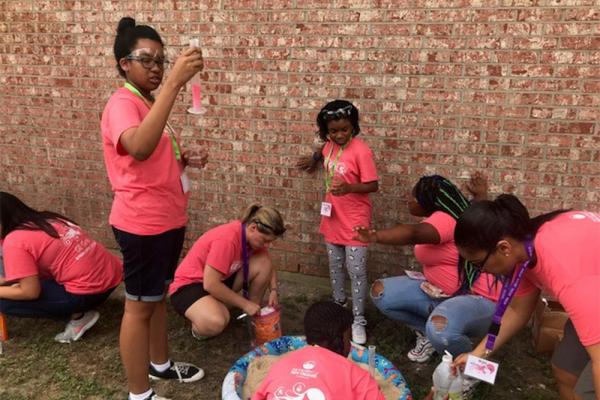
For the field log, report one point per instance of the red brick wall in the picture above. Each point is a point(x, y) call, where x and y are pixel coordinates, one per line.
point(507, 87)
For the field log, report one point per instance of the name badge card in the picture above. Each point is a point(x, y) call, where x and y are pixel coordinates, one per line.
point(185, 182)
point(326, 209)
point(481, 369)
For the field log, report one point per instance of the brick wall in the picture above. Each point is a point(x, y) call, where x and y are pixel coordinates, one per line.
point(510, 87)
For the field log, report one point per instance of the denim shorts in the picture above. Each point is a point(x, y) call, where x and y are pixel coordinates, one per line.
point(149, 262)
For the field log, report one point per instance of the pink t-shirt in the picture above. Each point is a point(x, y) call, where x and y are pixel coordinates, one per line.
point(220, 247)
point(440, 262)
point(317, 373)
point(568, 267)
point(75, 261)
point(149, 198)
point(355, 165)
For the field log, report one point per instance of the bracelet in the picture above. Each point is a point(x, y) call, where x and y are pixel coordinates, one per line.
point(276, 290)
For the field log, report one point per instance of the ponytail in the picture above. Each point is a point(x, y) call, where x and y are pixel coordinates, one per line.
point(267, 219)
point(487, 222)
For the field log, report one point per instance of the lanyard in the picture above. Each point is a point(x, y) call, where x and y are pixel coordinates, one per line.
point(245, 262)
point(174, 143)
point(508, 291)
point(331, 171)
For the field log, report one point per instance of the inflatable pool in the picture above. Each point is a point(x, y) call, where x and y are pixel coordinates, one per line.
point(234, 380)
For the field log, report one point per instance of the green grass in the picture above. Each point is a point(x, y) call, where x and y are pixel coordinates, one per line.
point(35, 367)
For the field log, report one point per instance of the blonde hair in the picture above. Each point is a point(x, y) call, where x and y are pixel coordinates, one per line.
point(267, 219)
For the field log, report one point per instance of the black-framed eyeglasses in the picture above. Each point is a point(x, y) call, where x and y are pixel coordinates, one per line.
point(337, 114)
point(149, 62)
point(481, 264)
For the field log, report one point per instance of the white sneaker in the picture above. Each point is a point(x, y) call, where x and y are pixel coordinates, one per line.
point(422, 351)
point(153, 396)
point(359, 333)
point(77, 327)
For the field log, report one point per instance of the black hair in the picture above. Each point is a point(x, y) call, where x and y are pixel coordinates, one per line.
point(436, 193)
point(128, 34)
point(487, 222)
point(14, 214)
point(325, 323)
point(351, 115)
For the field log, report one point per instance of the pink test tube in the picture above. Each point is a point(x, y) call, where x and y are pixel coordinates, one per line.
point(196, 88)
point(196, 96)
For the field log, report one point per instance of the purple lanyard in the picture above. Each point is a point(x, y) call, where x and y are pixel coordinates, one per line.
point(508, 291)
point(245, 262)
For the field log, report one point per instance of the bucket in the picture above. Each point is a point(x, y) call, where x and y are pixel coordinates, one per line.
point(267, 325)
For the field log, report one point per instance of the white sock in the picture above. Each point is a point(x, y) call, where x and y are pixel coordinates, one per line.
point(140, 396)
point(161, 367)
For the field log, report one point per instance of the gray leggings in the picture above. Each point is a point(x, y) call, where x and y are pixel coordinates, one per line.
point(355, 259)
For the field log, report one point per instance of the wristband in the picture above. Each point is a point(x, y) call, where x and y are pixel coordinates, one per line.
point(317, 156)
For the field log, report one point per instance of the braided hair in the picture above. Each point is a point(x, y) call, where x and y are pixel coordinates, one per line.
point(436, 193)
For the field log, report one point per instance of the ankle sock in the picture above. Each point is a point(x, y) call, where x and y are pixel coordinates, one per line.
point(161, 367)
point(140, 396)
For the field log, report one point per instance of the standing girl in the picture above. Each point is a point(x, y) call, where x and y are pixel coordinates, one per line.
point(53, 269)
point(145, 165)
point(350, 176)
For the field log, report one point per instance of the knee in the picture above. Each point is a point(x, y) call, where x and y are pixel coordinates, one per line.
point(436, 332)
point(564, 378)
point(377, 289)
point(439, 323)
point(212, 325)
point(262, 264)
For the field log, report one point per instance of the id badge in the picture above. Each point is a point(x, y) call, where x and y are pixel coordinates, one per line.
point(326, 209)
point(185, 182)
point(481, 369)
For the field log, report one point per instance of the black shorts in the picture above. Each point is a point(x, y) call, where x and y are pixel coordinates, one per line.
point(149, 262)
point(187, 295)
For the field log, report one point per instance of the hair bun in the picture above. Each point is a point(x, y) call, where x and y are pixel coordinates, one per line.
point(124, 24)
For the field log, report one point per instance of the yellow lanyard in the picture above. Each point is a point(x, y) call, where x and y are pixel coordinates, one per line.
point(331, 171)
point(170, 130)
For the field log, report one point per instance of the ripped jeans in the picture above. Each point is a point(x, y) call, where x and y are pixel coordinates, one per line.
point(463, 317)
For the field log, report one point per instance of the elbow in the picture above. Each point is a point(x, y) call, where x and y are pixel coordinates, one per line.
point(140, 155)
point(208, 285)
point(375, 187)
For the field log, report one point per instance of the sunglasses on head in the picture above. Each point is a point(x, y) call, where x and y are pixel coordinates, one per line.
point(343, 112)
point(267, 229)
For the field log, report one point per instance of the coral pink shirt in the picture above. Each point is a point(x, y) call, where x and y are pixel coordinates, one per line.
point(440, 262)
point(220, 247)
point(75, 261)
point(316, 373)
point(148, 196)
point(568, 267)
point(355, 165)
